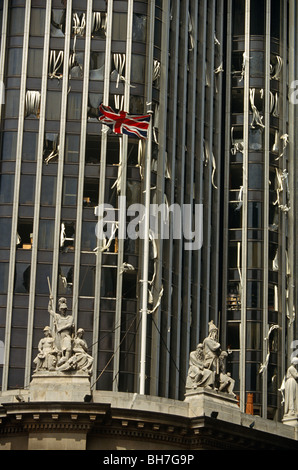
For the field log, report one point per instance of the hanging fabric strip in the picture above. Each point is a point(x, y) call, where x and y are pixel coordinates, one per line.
point(157, 303)
point(119, 62)
point(237, 145)
point(32, 103)
point(156, 123)
point(240, 202)
point(213, 171)
point(55, 63)
point(140, 158)
point(256, 117)
point(156, 69)
point(78, 24)
point(126, 267)
point(117, 183)
point(107, 243)
point(99, 21)
point(264, 366)
point(277, 68)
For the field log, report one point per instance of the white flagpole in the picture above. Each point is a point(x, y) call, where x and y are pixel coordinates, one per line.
point(145, 264)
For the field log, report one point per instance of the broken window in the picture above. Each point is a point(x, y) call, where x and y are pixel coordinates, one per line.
point(139, 27)
point(27, 189)
point(255, 139)
point(58, 23)
point(22, 278)
point(51, 147)
point(234, 298)
point(76, 64)
point(93, 149)
point(9, 145)
point(91, 190)
point(46, 234)
point(32, 103)
point(94, 100)
point(97, 65)
point(78, 23)
point(56, 64)
point(65, 280)
point(99, 23)
point(89, 240)
point(25, 234)
point(67, 235)
point(72, 148)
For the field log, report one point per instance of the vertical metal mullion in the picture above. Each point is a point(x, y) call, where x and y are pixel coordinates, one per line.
point(158, 333)
point(39, 166)
point(266, 201)
point(101, 195)
point(171, 152)
point(122, 210)
point(17, 180)
point(3, 51)
point(200, 146)
point(64, 93)
point(242, 364)
point(227, 153)
point(80, 192)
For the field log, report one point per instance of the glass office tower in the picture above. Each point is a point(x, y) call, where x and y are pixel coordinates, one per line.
point(214, 76)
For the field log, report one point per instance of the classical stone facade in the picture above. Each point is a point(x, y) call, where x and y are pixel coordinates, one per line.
point(121, 421)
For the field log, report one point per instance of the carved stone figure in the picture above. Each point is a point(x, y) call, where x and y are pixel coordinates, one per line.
point(289, 389)
point(198, 376)
point(207, 366)
point(46, 358)
point(64, 328)
point(80, 358)
point(61, 349)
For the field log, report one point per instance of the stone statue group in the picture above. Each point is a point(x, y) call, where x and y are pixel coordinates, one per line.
point(207, 366)
point(62, 349)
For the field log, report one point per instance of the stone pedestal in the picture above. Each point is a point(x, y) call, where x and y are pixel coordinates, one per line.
point(290, 420)
point(205, 402)
point(59, 386)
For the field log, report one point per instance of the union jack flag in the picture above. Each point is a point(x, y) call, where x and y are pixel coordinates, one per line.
point(123, 123)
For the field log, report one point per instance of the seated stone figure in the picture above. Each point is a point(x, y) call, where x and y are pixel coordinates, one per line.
point(46, 358)
point(198, 375)
point(80, 359)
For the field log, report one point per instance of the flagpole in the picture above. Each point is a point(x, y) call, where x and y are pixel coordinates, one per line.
point(145, 264)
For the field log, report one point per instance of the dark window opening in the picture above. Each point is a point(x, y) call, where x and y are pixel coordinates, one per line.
point(129, 287)
point(108, 282)
point(94, 100)
point(99, 21)
point(91, 190)
point(22, 278)
point(25, 234)
point(51, 147)
point(65, 281)
point(92, 149)
point(58, 23)
point(67, 234)
point(97, 65)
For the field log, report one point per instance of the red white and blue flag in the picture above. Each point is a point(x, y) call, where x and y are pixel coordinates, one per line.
point(123, 123)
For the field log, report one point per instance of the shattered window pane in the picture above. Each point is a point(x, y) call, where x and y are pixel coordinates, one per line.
point(65, 280)
point(22, 278)
point(139, 27)
point(97, 65)
point(58, 23)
